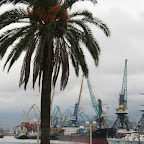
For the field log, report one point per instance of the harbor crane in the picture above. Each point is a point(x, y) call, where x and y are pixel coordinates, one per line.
point(74, 118)
point(80, 95)
point(28, 120)
point(52, 99)
point(97, 105)
point(84, 117)
point(141, 121)
point(32, 107)
point(55, 116)
point(122, 121)
point(65, 115)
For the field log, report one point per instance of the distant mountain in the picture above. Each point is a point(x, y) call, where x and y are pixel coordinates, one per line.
point(9, 120)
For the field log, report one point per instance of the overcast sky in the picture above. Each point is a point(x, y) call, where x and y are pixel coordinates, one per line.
point(125, 19)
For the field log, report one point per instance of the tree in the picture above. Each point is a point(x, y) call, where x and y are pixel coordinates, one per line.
point(54, 36)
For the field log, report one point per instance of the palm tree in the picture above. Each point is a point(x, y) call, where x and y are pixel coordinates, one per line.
point(53, 35)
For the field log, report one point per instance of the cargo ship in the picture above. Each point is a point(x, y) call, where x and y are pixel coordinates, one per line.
point(99, 136)
point(2, 134)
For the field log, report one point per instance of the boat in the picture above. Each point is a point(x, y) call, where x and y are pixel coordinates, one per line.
point(132, 138)
point(1, 135)
point(113, 140)
point(33, 135)
point(52, 137)
point(21, 132)
point(76, 133)
point(22, 135)
point(99, 136)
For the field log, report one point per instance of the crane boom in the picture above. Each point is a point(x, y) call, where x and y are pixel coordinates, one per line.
point(52, 100)
point(124, 85)
point(55, 111)
point(93, 99)
point(32, 107)
point(37, 108)
point(28, 120)
point(80, 96)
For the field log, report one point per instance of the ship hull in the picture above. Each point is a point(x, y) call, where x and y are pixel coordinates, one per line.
point(87, 140)
point(22, 137)
point(1, 136)
point(94, 140)
point(52, 137)
point(98, 136)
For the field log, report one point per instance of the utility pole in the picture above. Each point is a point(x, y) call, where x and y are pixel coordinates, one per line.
point(139, 133)
point(107, 115)
point(90, 133)
point(38, 122)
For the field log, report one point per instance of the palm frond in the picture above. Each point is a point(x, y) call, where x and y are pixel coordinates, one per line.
point(20, 1)
point(69, 3)
point(25, 70)
point(75, 64)
point(98, 23)
point(84, 13)
point(15, 2)
point(7, 34)
point(3, 2)
point(12, 16)
point(65, 65)
point(77, 52)
point(22, 45)
point(71, 39)
point(38, 60)
point(89, 19)
point(57, 61)
point(87, 38)
point(8, 41)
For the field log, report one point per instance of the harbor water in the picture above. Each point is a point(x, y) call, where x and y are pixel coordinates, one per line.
point(12, 140)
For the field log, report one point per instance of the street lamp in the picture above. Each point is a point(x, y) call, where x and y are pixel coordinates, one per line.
point(92, 126)
point(37, 122)
point(90, 133)
point(139, 133)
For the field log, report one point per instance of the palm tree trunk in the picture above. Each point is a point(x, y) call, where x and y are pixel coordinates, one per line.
point(46, 95)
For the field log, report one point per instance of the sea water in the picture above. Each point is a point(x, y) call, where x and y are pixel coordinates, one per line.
point(12, 140)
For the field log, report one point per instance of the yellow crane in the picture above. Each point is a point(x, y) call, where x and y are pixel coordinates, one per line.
point(28, 120)
point(80, 95)
point(32, 107)
point(57, 116)
point(52, 99)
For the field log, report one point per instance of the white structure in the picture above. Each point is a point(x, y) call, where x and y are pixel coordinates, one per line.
point(123, 111)
point(68, 130)
point(141, 108)
point(128, 139)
